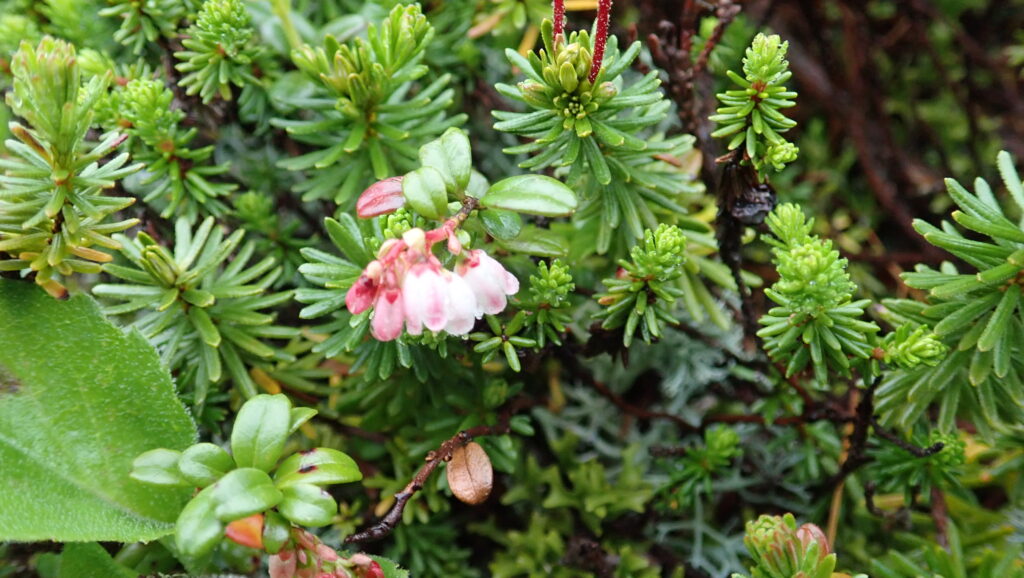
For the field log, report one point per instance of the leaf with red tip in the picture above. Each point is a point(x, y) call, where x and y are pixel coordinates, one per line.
point(247, 531)
point(381, 198)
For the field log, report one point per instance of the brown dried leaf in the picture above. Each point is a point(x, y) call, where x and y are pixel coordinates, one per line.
point(470, 475)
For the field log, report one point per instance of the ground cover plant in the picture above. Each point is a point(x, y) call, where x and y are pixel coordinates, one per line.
point(366, 289)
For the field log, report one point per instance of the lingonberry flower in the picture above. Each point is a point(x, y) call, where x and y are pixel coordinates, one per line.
point(425, 295)
point(408, 287)
point(490, 282)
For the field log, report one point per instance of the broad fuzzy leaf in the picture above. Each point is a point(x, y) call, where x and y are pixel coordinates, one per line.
point(79, 401)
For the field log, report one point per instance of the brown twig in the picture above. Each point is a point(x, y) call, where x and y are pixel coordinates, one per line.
point(443, 453)
point(941, 517)
point(903, 444)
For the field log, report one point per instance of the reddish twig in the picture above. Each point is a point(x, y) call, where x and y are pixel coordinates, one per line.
point(604, 11)
point(442, 454)
point(939, 514)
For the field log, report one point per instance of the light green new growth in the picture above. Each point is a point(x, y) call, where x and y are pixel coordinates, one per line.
point(177, 176)
point(643, 290)
point(53, 210)
point(781, 550)
point(220, 51)
point(368, 127)
point(752, 114)
point(816, 320)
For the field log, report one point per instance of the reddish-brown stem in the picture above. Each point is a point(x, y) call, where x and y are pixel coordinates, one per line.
point(558, 11)
point(443, 454)
point(604, 11)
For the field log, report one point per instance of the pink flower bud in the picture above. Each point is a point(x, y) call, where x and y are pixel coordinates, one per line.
point(461, 306)
point(425, 293)
point(381, 198)
point(388, 315)
point(416, 239)
point(326, 553)
point(454, 244)
point(809, 533)
point(283, 564)
point(361, 294)
point(489, 281)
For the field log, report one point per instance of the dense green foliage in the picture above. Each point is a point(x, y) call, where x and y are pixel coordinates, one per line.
point(270, 266)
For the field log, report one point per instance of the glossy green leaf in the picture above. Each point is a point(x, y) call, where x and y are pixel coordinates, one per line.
point(198, 531)
point(391, 569)
point(204, 464)
point(532, 194)
point(243, 492)
point(80, 399)
point(425, 191)
point(159, 467)
point(538, 242)
point(260, 430)
point(308, 505)
point(317, 466)
point(500, 224)
point(460, 158)
point(299, 416)
point(276, 532)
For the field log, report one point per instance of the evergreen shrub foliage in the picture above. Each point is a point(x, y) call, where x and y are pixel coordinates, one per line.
point(369, 289)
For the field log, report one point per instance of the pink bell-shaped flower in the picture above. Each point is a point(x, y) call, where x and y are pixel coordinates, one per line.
point(360, 296)
point(461, 306)
point(388, 315)
point(490, 282)
point(425, 296)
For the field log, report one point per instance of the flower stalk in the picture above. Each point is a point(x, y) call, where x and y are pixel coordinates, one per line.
point(604, 11)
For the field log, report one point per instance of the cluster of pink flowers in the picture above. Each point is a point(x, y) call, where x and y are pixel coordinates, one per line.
point(308, 557)
point(408, 287)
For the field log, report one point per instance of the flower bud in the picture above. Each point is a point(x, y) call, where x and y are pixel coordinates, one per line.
point(809, 534)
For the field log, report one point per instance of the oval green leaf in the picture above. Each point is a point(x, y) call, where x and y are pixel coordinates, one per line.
point(308, 505)
point(532, 194)
point(261, 428)
point(318, 466)
point(243, 492)
point(204, 464)
point(425, 191)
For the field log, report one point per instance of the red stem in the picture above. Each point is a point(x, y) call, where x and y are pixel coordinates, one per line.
point(604, 11)
point(559, 16)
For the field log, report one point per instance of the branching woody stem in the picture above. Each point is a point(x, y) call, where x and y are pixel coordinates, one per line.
point(442, 454)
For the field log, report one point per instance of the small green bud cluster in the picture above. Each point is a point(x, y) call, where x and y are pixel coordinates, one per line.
point(909, 347)
point(549, 301)
point(782, 550)
point(220, 51)
point(816, 320)
point(751, 114)
point(643, 290)
point(566, 87)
